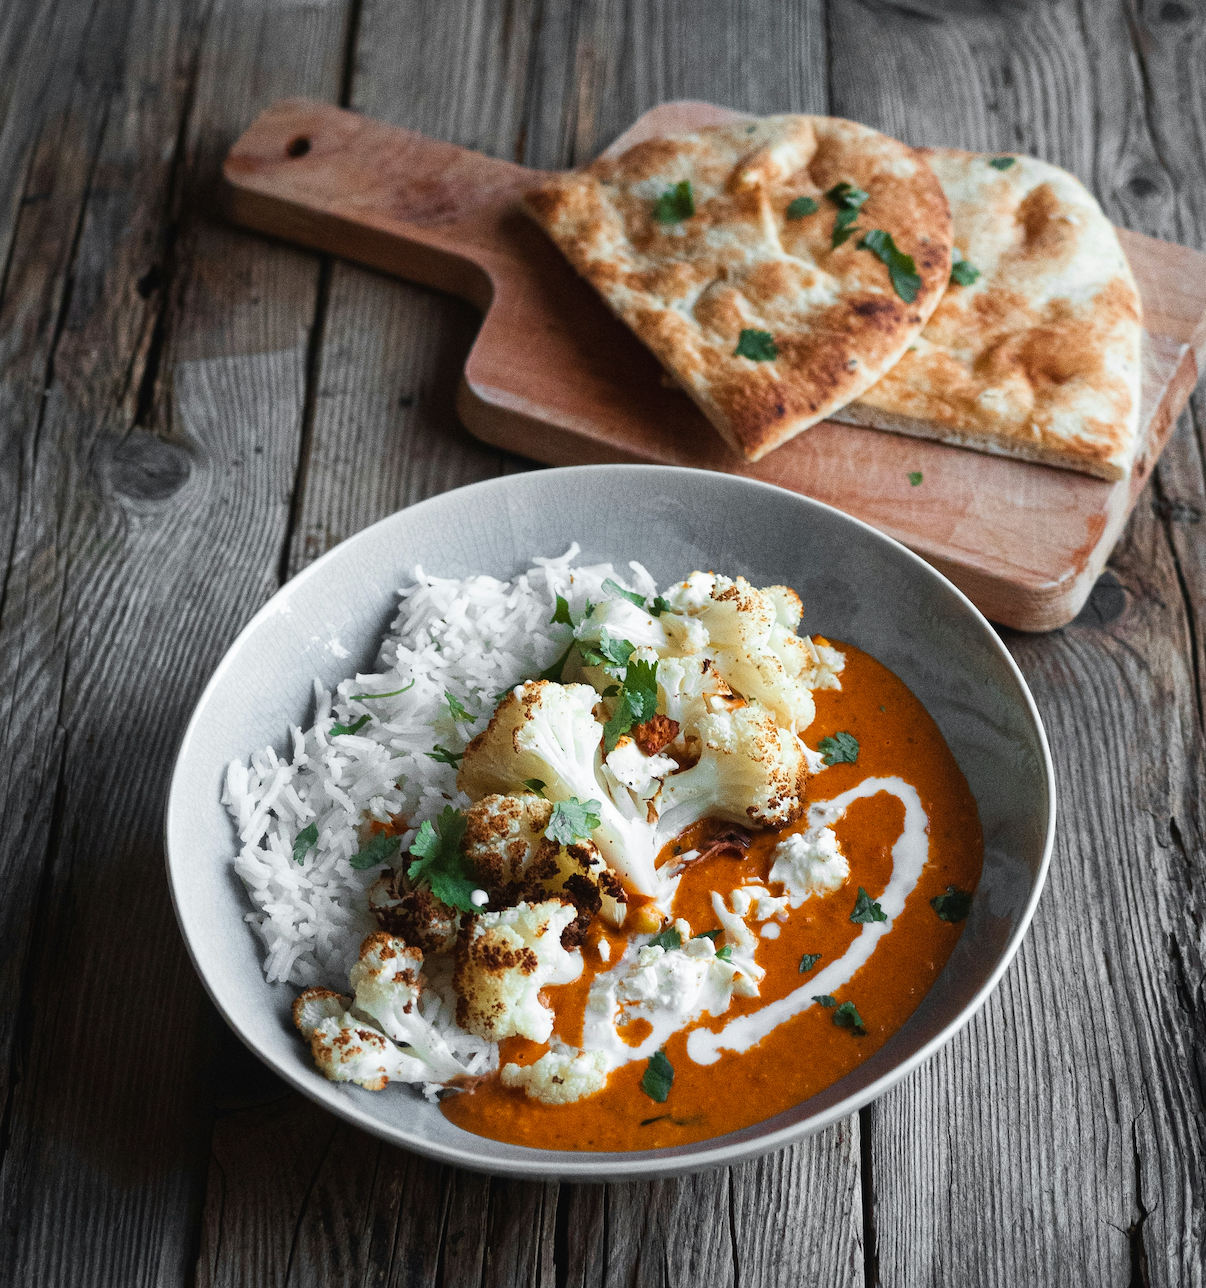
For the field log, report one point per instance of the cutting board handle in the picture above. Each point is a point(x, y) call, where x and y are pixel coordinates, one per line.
point(387, 197)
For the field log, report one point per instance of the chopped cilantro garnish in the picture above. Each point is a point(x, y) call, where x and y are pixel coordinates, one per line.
point(847, 1017)
point(707, 934)
point(808, 961)
point(536, 785)
point(725, 954)
point(825, 999)
point(849, 200)
point(444, 756)
point(438, 859)
point(658, 1077)
point(338, 730)
point(553, 673)
point(1002, 163)
point(375, 853)
point(866, 909)
point(630, 595)
point(611, 691)
point(963, 271)
point(561, 612)
point(802, 206)
point(637, 702)
point(609, 652)
point(842, 748)
point(573, 820)
point(952, 906)
point(675, 204)
point(915, 477)
point(901, 267)
point(455, 707)
point(659, 606)
point(758, 346)
point(368, 697)
point(667, 939)
point(306, 838)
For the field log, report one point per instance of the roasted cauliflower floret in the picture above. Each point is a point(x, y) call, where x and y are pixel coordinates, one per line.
point(346, 1051)
point(503, 960)
point(388, 985)
point(750, 771)
point(560, 1077)
point(505, 845)
point(349, 1050)
point(549, 731)
point(412, 913)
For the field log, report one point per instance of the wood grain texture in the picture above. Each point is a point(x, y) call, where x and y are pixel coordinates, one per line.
point(187, 411)
point(1092, 1047)
point(134, 497)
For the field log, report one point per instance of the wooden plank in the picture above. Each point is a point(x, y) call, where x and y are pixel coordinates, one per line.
point(150, 517)
point(1059, 1138)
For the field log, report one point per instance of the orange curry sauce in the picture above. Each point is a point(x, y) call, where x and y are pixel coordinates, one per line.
point(896, 737)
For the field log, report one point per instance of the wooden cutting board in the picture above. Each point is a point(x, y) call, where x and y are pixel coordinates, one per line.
point(554, 376)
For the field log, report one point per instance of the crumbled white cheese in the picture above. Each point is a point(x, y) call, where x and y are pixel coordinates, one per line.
point(809, 863)
point(770, 930)
point(604, 947)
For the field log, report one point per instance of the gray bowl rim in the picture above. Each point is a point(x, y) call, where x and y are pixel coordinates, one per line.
point(547, 1165)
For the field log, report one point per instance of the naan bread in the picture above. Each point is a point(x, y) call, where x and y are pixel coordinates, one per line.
point(1040, 357)
point(690, 287)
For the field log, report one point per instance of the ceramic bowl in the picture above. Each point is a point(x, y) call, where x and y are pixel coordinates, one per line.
point(857, 586)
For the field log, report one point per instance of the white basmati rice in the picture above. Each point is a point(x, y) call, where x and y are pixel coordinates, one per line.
point(472, 639)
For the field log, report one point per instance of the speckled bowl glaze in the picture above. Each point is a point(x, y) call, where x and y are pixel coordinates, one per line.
point(857, 586)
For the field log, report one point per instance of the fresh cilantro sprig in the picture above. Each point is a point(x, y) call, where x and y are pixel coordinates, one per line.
point(536, 785)
point(713, 935)
point(963, 271)
point(802, 206)
point(825, 999)
point(456, 707)
point(1002, 163)
point(658, 1077)
point(952, 906)
point(668, 939)
point(915, 478)
point(758, 346)
point(866, 909)
point(445, 757)
point(573, 820)
point(609, 651)
point(561, 613)
point(439, 861)
point(338, 730)
point(841, 749)
point(901, 267)
point(847, 1017)
point(808, 961)
point(637, 702)
point(725, 954)
point(372, 855)
point(305, 840)
point(849, 201)
point(630, 595)
point(368, 697)
point(659, 606)
point(675, 204)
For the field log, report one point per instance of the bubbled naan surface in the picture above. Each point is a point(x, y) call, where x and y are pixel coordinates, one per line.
point(688, 290)
point(1040, 357)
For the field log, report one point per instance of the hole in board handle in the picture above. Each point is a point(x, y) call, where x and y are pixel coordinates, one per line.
point(297, 147)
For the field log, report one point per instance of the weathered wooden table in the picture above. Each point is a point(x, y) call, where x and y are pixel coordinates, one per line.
point(189, 414)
